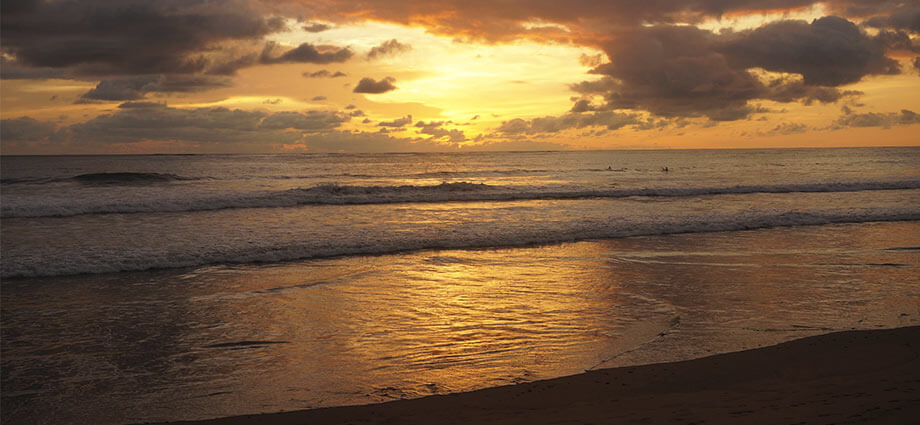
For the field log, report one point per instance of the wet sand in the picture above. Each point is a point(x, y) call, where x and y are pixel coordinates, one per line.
point(842, 378)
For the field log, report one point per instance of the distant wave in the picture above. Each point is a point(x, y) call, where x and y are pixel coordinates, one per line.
point(124, 178)
point(127, 178)
point(472, 237)
point(335, 194)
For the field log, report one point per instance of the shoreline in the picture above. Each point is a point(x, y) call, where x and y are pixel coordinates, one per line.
point(860, 376)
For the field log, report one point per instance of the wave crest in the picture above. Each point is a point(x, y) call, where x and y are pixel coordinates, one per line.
point(336, 194)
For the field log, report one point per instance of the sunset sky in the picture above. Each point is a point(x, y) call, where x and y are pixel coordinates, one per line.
point(174, 76)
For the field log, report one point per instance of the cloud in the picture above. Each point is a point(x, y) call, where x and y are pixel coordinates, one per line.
point(306, 53)
point(205, 129)
point(224, 130)
point(400, 122)
point(905, 17)
point(386, 48)
point(591, 60)
point(784, 129)
point(308, 121)
point(436, 131)
point(553, 124)
point(896, 41)
point(316, 27)
point(513, 19)
point(323, 74)
point(136, 87)
point(583, 105)
point(684, 71)
point(872, 119)
point(830, 51)
point(430, 124)
point(787, 89)
point(369, 85)
point(26, 129)
point(12, 69)
point(674, 71)
point(127, 37)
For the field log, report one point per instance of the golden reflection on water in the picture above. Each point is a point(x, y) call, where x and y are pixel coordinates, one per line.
point(240, 339)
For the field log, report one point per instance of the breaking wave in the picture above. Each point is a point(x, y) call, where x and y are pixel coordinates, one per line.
point(335, 194)
point(467, 237)
point(125, 178)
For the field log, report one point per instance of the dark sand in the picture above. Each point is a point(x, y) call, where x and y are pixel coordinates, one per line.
point(841, 378)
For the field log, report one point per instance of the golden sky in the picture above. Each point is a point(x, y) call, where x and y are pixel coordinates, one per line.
point(115, 76)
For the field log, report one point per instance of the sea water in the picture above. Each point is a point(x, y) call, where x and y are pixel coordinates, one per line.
point(162, 287)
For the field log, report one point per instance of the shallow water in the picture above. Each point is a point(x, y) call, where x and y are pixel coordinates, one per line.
point(224, 340)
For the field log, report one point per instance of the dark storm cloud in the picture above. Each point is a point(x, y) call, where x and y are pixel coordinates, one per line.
point(674, 71)
point(26, 129)
point(830, 51)
point(897, 41)
point(306, 53)
point(400, 122)
point(388, 48)
point(126, 37)
point(866, 8)
point(369, 85)
point(137, 87)
point(683, 71)
point(11, 69)
point(906, 17)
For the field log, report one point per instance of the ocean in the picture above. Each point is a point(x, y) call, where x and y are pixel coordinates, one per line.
point(170, 287)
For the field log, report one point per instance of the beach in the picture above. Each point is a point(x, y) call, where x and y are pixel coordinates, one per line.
point(849, 377)
point(139, 289)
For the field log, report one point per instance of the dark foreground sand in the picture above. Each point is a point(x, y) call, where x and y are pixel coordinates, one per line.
point(848, 377)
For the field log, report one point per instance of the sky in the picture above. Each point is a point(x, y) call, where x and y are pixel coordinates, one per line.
point(253, 76)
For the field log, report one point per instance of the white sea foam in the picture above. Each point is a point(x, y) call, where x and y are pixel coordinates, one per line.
point(383, 242)
point(336, 194)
